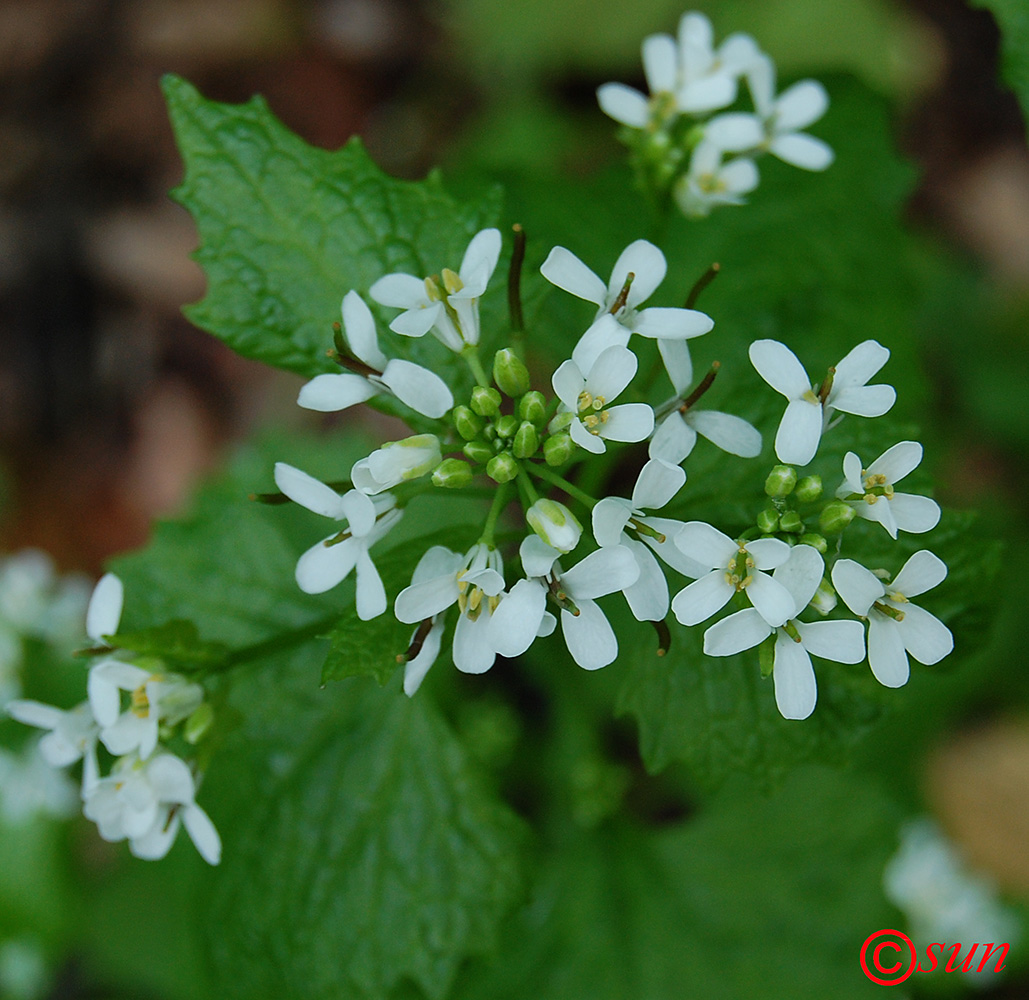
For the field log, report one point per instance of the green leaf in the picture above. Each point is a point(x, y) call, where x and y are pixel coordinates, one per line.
point(1013, 20)
point(177, 641)
point(756, 899)
point(375, 855)
point(287, 229)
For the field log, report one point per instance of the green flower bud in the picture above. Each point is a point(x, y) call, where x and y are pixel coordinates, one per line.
point(780, 481)
point(560, 422)
point(555, 524)
point(558, 448)
point(468, 424)
point(809, 489)
point(452, 474)
point(485, 401)
point(791, 522)
point(825, 598)
point(816, 542)
point(507, 426)
point(509, 373)
point(478, 451)
point(533, 406)
point(502, 468)
point(835, 516)
point(198, 724)
point(768, 521)
point(526, 440)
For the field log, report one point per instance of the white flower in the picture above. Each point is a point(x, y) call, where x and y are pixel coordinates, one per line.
point(784, 116)
point(896, 627)
point(555, 524)
point(421, 389)
point(396, 462)
point(144, 802)
point(710, 182)
point(627, 105)
point(30, 786)
point(586, 397)
point(104, 612)
point(522, 614)
point(72, 734)
point(451, 312)
point(870, 491)
point(734, 567)
point(617, 316)
point(331, 560)
point(676, 435)
point(473, 582)
point(657, 484)
point(802, 424)
point(795, 641)
point(708, 77)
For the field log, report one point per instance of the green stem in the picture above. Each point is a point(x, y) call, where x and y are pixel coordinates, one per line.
point(499, 503)
point(279, 642)
point(471, 356)
point(526, 484)
point(542, 472)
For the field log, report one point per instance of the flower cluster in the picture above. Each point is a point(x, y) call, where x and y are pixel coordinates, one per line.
point(134, 709)
point(532, 450)
point(684, 142)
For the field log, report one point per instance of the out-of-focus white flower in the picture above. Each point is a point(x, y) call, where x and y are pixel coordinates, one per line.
point(870, 491)
point(396, 462)
point(144, 802)
point(31, 786)
point(628, 106)
point(587, 397)
point(786, 115)
point(71, 735)
point(708, 77)
point(805, 418)
point(712, 181)
point(422, 390)
point(795, 641)
point(618, 312)
point(896, 627)
point(451, 312)
point(734, 567)
point(331, 560)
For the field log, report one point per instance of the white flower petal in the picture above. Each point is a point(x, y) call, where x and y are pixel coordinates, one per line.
point(610, 516)
point(203, 833)
point(625, 105)
point(740, 631)
point(660, 62)
point(860, 588)
point(105, 604)
point(897, 462)
point(603, 333)
point(473, 650)
point(780, 368)
point(647, 263)
point(648, 596)
point(860, 364)
point(802, 150)
point(800, 105)
point(675, 354)
point(157, 841)
point(323, 566)
point(761, 82)
point(568, 382)
point(914, 513)
point(735, 132)
point(416, 669)
point(628, 422)
point(769, 553)
point(34, 713)
point(308, 491)
point(437, 561)
point(424, 391)
point(710, 93)
point(701, 599)
point(924, 636)
point(739, 177)
point(564, 269)
point(426, 598)
point(329, 393)
point(359, 327)
point(886, 654)
point(602, 572)
point(613, 370)
point(402, 291)
point(481, 257)
point(537, 557)
point(170, 779)
point(417, 322)
point(516, 622)
point(794, 679)
point(667, 551)
point(584, 439)
point(799, 432)
point(657, 484)
point(671, 323)
point(589, 636)
point(839, 641)
point(370, 592)
point(771, 598)
point(673, 440)
point(706, 545)
point(730, 433)
point(864, 400)
point(920, 573)
point(800, 575)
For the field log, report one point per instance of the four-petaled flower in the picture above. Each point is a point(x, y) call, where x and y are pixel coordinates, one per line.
point(424, 391)
point(795, 641)
point(896, 627)
point(587, 397)
point(870, 491)
point(451, 312)
point(331, 560)
point(711, 181)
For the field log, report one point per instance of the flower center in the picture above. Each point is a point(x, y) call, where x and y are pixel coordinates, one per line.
point(875, 487)
point(592, 414)
point(738, 573)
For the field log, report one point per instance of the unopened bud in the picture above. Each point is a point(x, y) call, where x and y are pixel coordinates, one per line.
point(526, 440)
point(533, 406)
point(558, 448)
point(560, 422)
point(791, 522)
point(825, 598)
point(198, 724)
point(780, 481)
point(835, 516)
point(555, 524)
point(507, 426)
point(469, 425)
point(768, 521)
point(478, 451)
point(452, 474)
point(485, 401)
point(502, 468)
point(815, 541)
point(809, 489)
point(510, 373)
